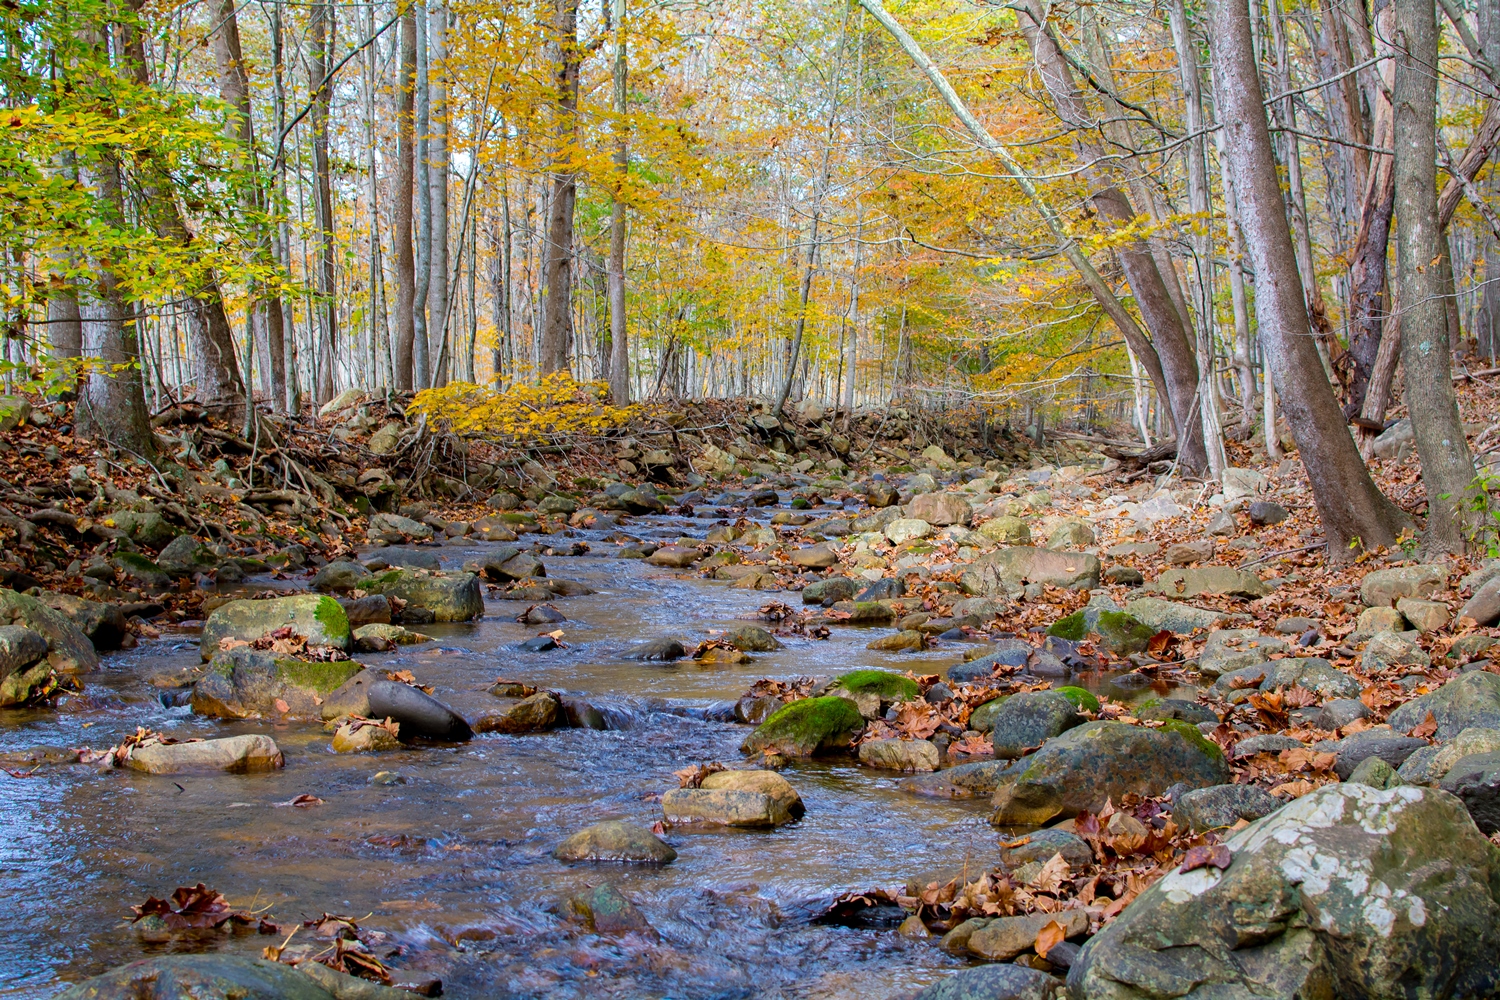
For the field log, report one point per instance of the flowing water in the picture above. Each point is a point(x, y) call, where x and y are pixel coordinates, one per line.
point(454, 863)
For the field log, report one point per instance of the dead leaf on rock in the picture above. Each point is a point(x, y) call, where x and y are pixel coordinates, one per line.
point(1205, 855)
point(1050, 936)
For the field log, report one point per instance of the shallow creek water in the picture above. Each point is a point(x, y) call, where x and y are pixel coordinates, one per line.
point(469, 892)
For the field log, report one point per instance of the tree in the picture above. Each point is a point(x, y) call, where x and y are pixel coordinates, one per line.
point(1350, 505)
point(619, 346)
point(324, 30)
point(437, 186)
point(557, 311)
point(406, 271)
point(1447, 465)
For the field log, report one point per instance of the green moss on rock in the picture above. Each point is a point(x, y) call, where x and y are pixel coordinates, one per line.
point(330, 614)
point(320, 677)
point(1080, 698)
point(1073, 628)
point(803, 727)
point(890, 687)
point(1193, 735)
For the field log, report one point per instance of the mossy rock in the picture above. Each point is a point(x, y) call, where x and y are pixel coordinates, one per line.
point(451, 597)
point(1120, 633)
point(247, 683)
point(1195, 737)
point(318, 617)
point(982, 719)
point(890, 687)
point(805, 727)
point(1080, 698)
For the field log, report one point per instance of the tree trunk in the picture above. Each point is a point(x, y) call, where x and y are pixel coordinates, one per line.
point(1447, 465)
point(1159, 310)
point(406, 271)
point(1351, 507)
point(557, 322)
point(422, 342)
point(324, 30)
point(437, 166)
point(619, 346)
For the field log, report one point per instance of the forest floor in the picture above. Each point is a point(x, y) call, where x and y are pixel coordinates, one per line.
point(1158, 603)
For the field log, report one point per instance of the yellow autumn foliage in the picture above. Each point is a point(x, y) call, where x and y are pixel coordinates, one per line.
point(525, 412)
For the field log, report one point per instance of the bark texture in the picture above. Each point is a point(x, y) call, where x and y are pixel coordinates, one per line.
point(406, 271)
point(557, 312)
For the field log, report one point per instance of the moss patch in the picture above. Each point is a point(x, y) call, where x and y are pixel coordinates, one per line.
point(1073, 628)
point(804, 726)
point(1191, 733)
point(319, 677)
point(330, 614)
point(1080, 698)
point(890, 687)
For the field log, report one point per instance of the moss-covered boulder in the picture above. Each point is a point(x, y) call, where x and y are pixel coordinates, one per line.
point(982, 719)
point(341, 575)
point(143, 528)
point(1349, 891)
point(68, 649)
point(865, 612)
point(451, 597)
point(1099, 761)
point(140, 571)
point(321, 619)
point(185, 555)
point(25, 675)
point(836, 588)
point(1080, 697)
point(245, 683)
point(1118, 632)
point(808, 726)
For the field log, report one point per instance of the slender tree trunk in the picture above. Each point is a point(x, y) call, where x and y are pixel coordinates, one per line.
point(619, 345)
point(557, 329)
point(1447, 465)
point(324, 30)
point(422, 353)
point(283, 332)
point(1350, 505)
point(406, 298)
point(437, 166)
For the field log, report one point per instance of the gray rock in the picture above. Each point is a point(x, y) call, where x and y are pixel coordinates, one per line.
point(1092, 763)
point(1263, 512)
point(978, 779)
point(614, 840)
point(1070, 534)
point(1376, 773)
point(536, 713)
point(320, 619)
point(1178, 708)
point(405, 559)
point(994, 982)
point(1211, 581)
point(1383, 587)
point(1173, 616)
point(1476, 780)
point(1223, 525)
point(656, 649)
point(24, 674)
point(104, 624)
point(341, 575)
point(940, 509)
point(1041, 845)
point(1008, 570)
point(1484, 606)
point(1185, 553)
point(245, 683)
point(1273, 743)
point(1027, 720)
point(834, 588)
point(900, 755)
point(1349, 891)
point(1391, 747)
point(1226, 651)
point(1219, 806)
point(451, 597)
point(1389, 649)
point(1396, 441)
point(1340, 712)
point(237, 754)
point(148, 529)
point(185, 555)
point(1470, 700)
point(368, 694)
point(214, 976)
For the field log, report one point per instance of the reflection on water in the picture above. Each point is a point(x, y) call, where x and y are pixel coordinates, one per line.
point(455, 862)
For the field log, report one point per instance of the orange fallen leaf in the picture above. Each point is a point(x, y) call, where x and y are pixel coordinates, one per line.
point(1050, 936)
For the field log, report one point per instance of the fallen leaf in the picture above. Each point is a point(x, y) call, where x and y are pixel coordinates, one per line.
point(282, 706)
point(1425, 729)
point(1206, 855)
point(1050, 936)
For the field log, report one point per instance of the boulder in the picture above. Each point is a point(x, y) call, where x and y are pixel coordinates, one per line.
point(1027, 720)
point(1187, 553)
point(1313, 673)
point(395, 529)
point(215, 976)
point(765, 782)
point(1003, 938)
point(1070, 534)
point(1228, 650)
point(1476, 780)
point(1374, 620)
point(820, 556)
point(723, 807)
point(370, 609)
point(1008, 570)
point(238, 754)
point(674, 556)
point(656, 649)
point(1042, 845)
point(1429, 765)
point(1118, 632)
point(148, 529)
point(1177, 708)
point(321, 619)
point(835, 588)
point(1007, 530)
point(370, 695)
point(1383, 587)
point(378, 637)
point(806, 727)
point(908, 641)
point(451, 597)
point(24, 674)
point(900, 755)
point(1356, 748)
point(753, 639)
point(1349, 891)
point(104, 624)
point(1099, 761)
point(1266, 512)
point(1388, 649)
point(1172, 616)
point(353, 738)
point(1209, 581)
point(1484, 606)
point(341, 575)
point(940, 509)
point(1425, 616)
point(68, 650)
point(906, 529)
point(865, 612)
point(880, 494)
point(604, 909)
point(615, 840)
point(1470, 700)
point(978, 779)
point(534, 714)
point(140, 571)
point(185, 556)
point(245, 683)
point(993, 982)
point(1219, 806)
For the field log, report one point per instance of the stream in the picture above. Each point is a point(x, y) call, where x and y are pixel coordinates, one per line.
point(453, 861)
